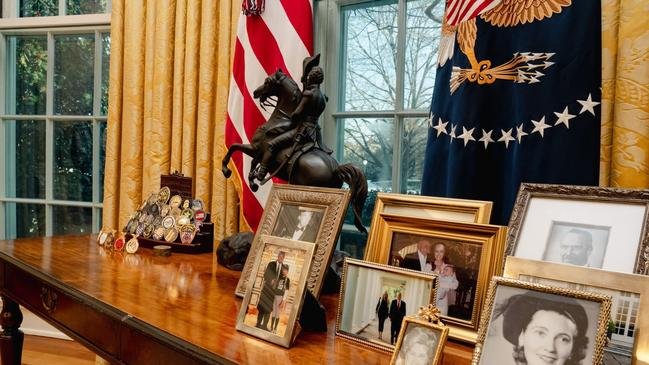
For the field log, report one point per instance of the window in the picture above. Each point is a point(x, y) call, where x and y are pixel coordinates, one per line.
point(54, 67)
point(380, 78)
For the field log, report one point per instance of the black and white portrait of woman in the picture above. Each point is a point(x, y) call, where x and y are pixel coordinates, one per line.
point(536, 328)
point(418, 346)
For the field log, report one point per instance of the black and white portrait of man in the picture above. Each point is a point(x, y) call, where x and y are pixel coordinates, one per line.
point(577, 244)
point(298, 223)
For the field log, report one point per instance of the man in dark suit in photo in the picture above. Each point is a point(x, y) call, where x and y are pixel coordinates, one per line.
point(419, 260)
point(397, 312)
point(267, 295)
point(298, 223)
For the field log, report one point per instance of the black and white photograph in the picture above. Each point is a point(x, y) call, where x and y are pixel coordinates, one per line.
point(421, 343)
point(456, 263)
point(375, 299)
point(577, 244)
point(533, 326)
point(296, 222)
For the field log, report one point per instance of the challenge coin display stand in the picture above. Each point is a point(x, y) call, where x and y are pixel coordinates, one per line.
point(203, 239)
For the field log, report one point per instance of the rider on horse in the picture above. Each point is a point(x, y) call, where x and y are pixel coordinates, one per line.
point(305, 131)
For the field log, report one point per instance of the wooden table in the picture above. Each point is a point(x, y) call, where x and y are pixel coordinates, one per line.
point(144, 309)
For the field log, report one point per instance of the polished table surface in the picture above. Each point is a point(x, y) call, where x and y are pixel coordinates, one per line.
point(188, 297)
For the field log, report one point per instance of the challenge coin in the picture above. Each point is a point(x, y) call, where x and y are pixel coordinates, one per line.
point(175, 201)
point(168, 222)
point(163, 195)
point(119, 243)
point(171, 234)
point(132, 245)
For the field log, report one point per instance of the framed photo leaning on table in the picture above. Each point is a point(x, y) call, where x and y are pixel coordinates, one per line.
point(629, 343)
point(374, 299)
point(525, 323)
point(603, 228)
point(425, 207)
point(274, 298)
point(420, 343)
point(464, 255)
point(302, 213)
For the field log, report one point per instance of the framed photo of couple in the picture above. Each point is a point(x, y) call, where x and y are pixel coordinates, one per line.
point(275, 295)
point(463, 255)
point(300, 213)
point(602, 228)
point(526, 323)
point(375, 299)
point(628, 343)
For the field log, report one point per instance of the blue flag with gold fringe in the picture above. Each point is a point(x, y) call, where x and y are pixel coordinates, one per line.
point(516, 99)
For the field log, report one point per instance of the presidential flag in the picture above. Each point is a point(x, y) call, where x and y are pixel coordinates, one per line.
point(516, 99)
point(270, 35)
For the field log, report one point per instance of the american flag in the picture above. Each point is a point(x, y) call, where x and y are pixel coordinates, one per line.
point(280, 37)
point(462, 10)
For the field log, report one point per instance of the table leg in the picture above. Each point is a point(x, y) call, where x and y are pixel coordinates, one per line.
point(11, 338)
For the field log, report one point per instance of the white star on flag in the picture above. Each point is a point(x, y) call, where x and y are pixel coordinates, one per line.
point(563, 118)
point(466, 135)
point(520, 133)
point(440, 127)
point(486, 138)
point(430, 120)
point(588, 105)
point(452, 132)
point(540, 126)
point(506, 137)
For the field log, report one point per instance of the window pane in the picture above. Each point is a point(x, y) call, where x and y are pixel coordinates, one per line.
point(24, 220)
point(38, 8)
point(71, 220)
point(422, 41)
point(27, 74)
point(76, 7)
point(72, 167)
point(73, 74)
point(413, 148)
point(25, 159)
point(102, 158)
point(105, 67)
point(370, 50)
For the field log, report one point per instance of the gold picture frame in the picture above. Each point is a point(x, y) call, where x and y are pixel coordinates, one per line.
point(439, 347)
point(489, 240)
point(590, 307)
point(608, 214)
point(297, 256)
point(595, 280)
point(424, 207)
point(345, 316)
point(332, 203)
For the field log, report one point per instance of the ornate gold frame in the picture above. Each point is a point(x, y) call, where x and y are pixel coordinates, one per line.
point(490, 237)
point(371, 265)
point(477, 211)
point(585, 193)
point(604, 312)
point(437, 360)
point(290, 334)
point(335, 203)
point(632, 283)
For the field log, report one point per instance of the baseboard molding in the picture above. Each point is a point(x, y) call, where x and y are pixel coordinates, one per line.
point(33, 325)
point(44, 333)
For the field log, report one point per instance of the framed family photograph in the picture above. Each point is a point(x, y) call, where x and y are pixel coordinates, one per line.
point(420, 343)
point(275, 295)
point(629, 293)
point(464, 256)
point(301, 213)
point(602, 228)
point(375, 299)
point(526, 323)
point(424, 207)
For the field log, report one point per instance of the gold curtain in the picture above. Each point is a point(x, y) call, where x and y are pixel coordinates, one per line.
point(624, 157)
point(169, 79)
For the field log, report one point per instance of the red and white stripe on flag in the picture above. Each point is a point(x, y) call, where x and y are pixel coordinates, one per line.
point(281, 37)
point(458, 11)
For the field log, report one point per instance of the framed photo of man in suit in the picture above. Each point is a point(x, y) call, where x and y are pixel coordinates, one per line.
point(305, 214)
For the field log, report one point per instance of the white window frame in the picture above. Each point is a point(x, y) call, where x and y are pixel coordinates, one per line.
point(328, 42)
point(51, 26)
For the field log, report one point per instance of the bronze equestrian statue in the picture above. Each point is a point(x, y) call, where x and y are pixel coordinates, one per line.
point(289, 145)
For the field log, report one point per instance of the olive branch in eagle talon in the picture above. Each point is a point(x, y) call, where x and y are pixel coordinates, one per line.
point(524, 67)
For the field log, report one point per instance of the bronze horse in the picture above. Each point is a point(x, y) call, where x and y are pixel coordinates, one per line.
point(312, 167)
